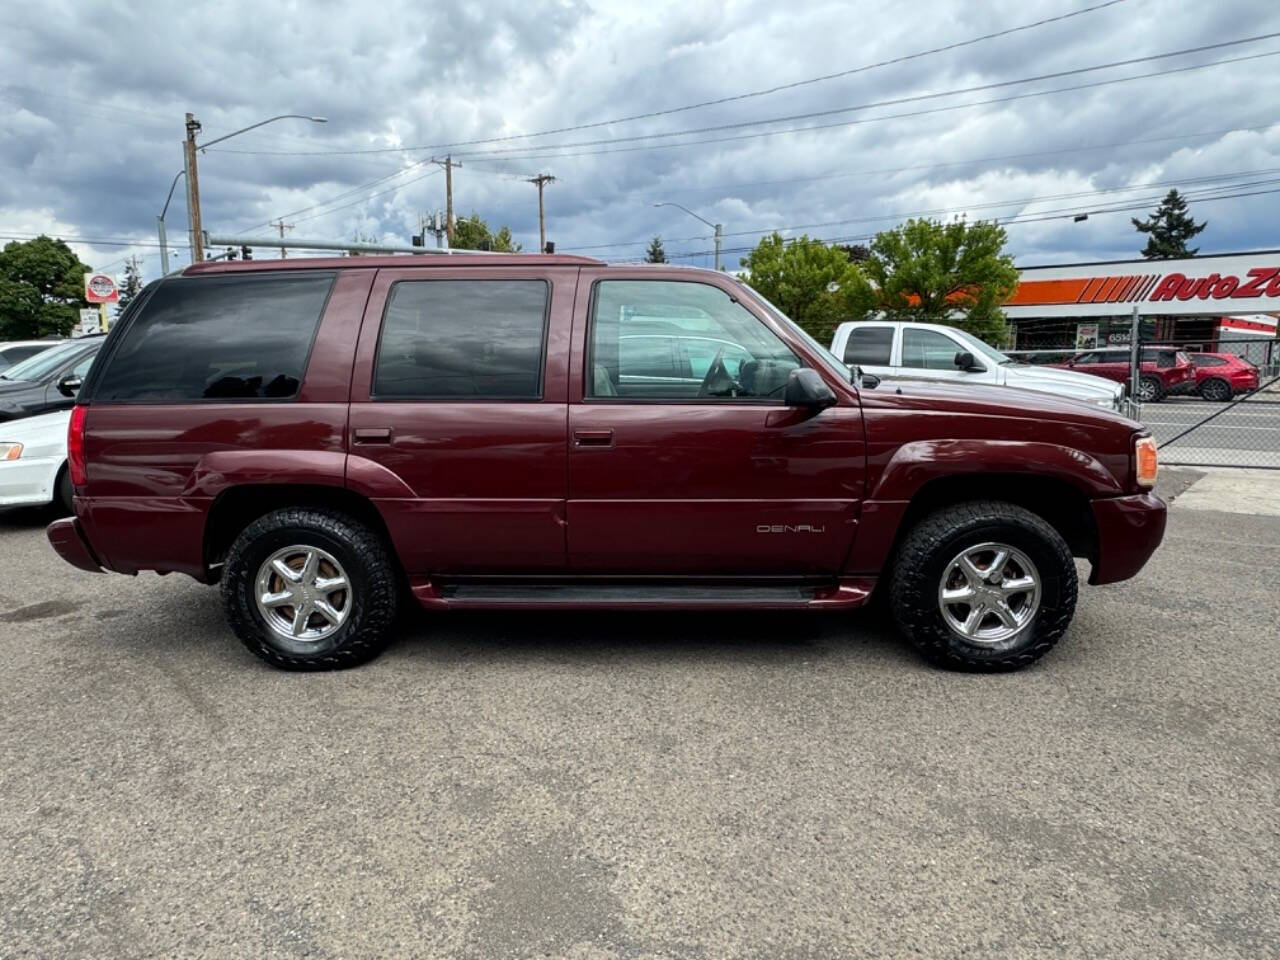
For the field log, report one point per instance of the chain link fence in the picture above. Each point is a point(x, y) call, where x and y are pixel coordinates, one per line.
point(1209, 401)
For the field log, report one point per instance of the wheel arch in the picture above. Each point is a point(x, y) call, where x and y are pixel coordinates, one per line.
point(236, 507)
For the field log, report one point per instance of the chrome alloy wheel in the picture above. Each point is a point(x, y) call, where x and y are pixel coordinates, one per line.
point(989, 593)
point(303, 593)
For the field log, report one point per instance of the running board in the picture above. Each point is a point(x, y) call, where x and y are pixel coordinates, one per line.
point(639, 596)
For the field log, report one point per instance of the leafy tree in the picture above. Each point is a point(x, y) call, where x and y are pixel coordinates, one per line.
point(41, 289)
point(799, 277)
point(132, 284)
point(1168, 229)
point(955, 273)
point(656, 254)
point(472, 233)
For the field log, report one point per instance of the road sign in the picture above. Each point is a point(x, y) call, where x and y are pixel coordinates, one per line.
point(100, 288)
point(90, 323)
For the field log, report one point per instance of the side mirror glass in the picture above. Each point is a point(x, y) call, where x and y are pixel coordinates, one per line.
point(806, 389)
point(70, 385)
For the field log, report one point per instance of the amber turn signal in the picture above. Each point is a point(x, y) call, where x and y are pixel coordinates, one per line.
point(1146, 461)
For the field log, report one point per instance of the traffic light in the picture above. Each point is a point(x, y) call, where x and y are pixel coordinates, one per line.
point(246, 253)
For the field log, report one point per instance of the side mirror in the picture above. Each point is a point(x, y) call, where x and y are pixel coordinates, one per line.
point(966, 362)
point(863, 380)
point(70, 385)
point(806, 389)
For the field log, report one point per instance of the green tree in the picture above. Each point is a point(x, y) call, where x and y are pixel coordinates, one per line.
point(655, 254)
point(132, 284)
point(812, 283)
point(41, 289)
point(472, 233)
point(1168, 229)
point(955, 273)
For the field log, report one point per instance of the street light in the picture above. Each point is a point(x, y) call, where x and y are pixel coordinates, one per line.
point(719, 237)
point(164, 241)
point(193, 177)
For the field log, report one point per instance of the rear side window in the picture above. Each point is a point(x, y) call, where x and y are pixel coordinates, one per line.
point(1202, 360)
point(452, 339)
point(218, 338)
point(869, 346)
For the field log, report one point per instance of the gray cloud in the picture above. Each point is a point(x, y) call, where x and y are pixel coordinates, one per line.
point(90, 135)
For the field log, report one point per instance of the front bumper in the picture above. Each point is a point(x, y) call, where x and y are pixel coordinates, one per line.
point(69, 542)
point(1129, 530)
point(28, 482)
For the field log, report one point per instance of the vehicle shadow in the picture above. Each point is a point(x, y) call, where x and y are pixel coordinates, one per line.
point(27, 518)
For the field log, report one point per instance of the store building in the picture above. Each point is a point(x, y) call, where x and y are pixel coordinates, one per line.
point(1226, 302)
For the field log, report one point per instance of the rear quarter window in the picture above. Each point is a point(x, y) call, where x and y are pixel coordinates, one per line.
point(218, 338)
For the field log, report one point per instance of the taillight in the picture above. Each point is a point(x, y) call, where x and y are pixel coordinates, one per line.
point(75, 446)
point(1146, 462)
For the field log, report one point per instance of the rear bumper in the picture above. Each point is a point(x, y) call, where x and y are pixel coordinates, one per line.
point(70, 544)
point(1129, 530)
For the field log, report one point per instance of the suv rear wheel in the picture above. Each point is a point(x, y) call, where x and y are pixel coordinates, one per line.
point(307, 588)
point(1150, 389)
point(983, 586)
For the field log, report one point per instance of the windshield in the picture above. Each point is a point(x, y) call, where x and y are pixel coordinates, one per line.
point(985, 349)
point(33, 368)
point(824, 354)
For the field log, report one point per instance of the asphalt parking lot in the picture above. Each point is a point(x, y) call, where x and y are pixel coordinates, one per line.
point(1246, 434)
point(592, 786)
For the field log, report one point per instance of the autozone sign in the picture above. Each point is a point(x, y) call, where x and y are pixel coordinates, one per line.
point(1212, 286)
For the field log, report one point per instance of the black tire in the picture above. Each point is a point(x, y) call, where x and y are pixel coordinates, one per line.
point(924, 557)
point(1150, 389)
point(63, 493)
point(365, 559)
point(1216, 389)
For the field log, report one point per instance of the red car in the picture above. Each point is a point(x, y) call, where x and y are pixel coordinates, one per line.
point(1165, 371)
point(1220, 376)
point(327, 438)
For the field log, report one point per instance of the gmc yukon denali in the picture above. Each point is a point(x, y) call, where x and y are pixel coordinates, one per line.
point(327, 438)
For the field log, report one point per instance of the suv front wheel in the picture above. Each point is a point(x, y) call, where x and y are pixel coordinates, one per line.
point(308, 588)
point(983, 586)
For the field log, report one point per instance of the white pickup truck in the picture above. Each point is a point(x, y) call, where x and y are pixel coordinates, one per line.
point(929, 351)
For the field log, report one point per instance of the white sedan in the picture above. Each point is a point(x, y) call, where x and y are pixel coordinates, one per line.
point(33, 461)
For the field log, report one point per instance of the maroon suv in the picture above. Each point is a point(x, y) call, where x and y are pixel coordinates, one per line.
point(1165, 371)
point(326, 438)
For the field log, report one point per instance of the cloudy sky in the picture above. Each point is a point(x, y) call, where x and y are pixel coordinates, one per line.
point(92, 98)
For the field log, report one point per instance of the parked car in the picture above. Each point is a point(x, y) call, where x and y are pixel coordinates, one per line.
point(328, 437)
point(928, 351)
point(1165, 371)
point(33, 462)
point(15, 351)
point(1220, 376)
point(47, 381)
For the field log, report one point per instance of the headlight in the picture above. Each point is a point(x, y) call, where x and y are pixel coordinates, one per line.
point(1145, 461)
point(10, 451)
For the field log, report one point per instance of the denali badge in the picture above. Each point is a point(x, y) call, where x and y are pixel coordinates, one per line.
point(788, 528)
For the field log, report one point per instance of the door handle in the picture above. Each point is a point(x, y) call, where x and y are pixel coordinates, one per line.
point(593, 438)
point(372, 435)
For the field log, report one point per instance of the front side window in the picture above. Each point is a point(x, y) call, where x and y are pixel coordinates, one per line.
point(463, 340)
point(719, 350)
point(869, 346)
point(244, 337)
point(928, 350)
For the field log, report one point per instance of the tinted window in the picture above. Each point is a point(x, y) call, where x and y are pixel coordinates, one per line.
point(1202, 360)
point(43, 363)
point(480, 339)
point(216, 338)
point(927, 350)
point(13, 355)
point(869, 346)
point(721, 350)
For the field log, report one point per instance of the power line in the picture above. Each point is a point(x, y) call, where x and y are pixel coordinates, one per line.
point(915, 98)
point(893, 116)
point(372, 196)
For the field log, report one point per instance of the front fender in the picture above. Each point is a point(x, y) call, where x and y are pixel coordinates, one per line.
point(915, 464)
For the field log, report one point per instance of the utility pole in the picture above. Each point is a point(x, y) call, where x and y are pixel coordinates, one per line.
point(282, 226)
point(719, 243)
point(448, 163)
point(541, 180)
point(193, 190)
